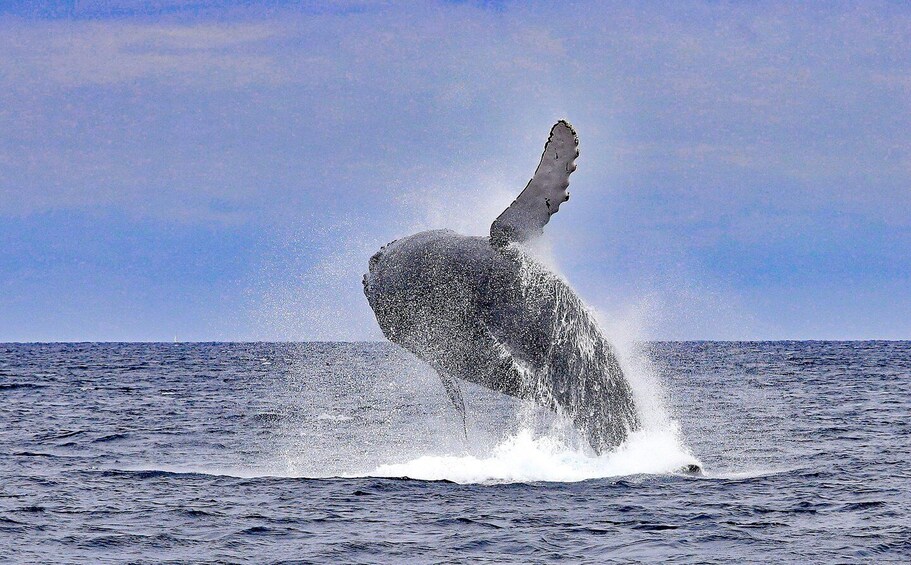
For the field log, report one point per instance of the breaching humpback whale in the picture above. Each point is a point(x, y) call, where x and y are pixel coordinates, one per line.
point(480, 309)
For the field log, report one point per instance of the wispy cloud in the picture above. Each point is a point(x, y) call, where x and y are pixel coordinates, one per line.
point(756, 130)
point(86, 53)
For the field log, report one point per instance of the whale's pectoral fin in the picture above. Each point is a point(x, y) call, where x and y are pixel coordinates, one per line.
point(455, 395)
point(526, 216)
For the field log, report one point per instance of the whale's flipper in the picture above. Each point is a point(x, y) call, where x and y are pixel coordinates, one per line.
point(455, 395)
point(526, 216)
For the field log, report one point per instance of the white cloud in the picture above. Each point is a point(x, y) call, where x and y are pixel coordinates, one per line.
point(87, 53)
point(699, 125)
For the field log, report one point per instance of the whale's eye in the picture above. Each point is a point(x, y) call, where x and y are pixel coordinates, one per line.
point(547, 202)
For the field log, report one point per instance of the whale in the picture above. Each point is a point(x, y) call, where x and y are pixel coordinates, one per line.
point(485, 311)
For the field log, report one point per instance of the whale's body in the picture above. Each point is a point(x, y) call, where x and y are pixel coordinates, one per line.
point(481, 310)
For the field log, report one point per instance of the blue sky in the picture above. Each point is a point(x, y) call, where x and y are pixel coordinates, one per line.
point(223, 170)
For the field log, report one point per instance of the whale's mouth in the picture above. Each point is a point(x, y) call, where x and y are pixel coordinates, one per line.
point(372, 265)
point(375, 258)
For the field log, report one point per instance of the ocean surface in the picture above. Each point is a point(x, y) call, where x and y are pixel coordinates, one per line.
point(351, 453)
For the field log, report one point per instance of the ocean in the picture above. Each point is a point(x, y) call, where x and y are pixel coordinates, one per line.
point(351, 453)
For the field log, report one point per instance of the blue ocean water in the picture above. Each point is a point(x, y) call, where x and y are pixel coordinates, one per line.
point(349, 452)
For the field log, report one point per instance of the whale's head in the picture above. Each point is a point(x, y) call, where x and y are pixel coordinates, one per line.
point(398, 287)
point(381, 287)
point(420, 285)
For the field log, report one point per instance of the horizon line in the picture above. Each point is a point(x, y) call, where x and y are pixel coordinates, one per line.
point(292, 342)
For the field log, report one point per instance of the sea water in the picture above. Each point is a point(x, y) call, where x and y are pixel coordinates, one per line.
point(351, 452)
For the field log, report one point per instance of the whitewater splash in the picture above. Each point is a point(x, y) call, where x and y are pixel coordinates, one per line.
point(524, 459)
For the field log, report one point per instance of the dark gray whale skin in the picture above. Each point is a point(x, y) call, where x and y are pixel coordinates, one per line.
point(496, 318)
point(482, 310)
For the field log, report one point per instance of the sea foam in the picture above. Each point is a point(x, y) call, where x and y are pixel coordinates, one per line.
point(524, 458)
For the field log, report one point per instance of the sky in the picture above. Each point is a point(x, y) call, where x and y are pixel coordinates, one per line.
point(218, 170)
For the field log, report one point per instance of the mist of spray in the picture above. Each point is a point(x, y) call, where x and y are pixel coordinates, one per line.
point(538, 445)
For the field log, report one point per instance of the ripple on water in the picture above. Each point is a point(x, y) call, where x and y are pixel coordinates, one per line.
point(200, 452)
